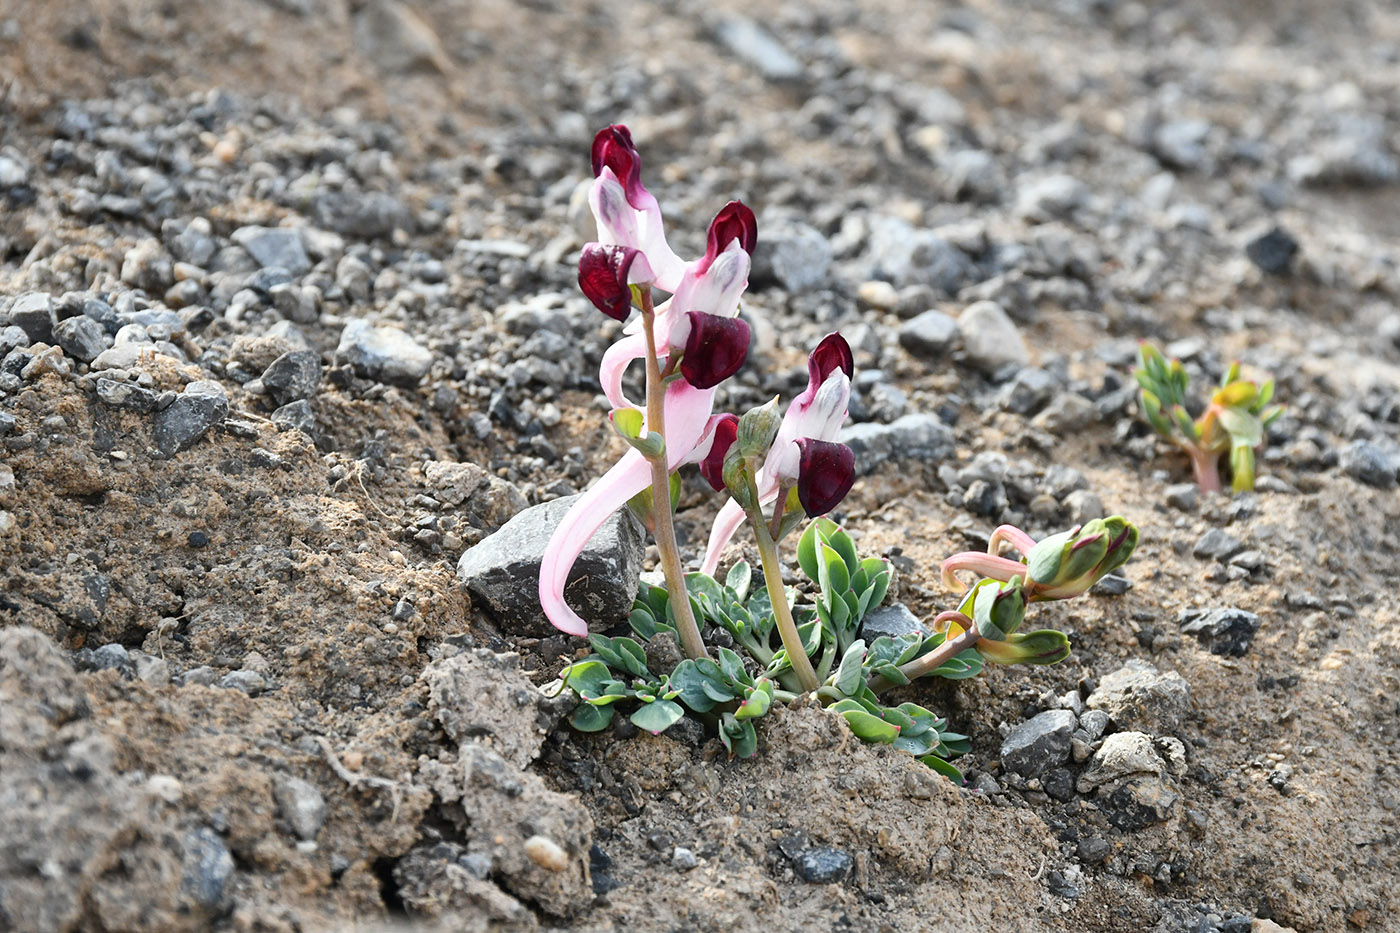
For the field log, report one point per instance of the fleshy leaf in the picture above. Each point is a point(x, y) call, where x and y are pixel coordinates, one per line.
point(657, 716)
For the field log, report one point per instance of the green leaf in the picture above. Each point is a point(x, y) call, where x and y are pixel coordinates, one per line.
point(587, 677)
point(943, 768)
point(757, 700)
point(837, 577)
point(807, 550)
point(738, 736)
point(866, 726)
point(1046, 646)
point(627, 422)
point(850, 675)
point(657, 716)
point(738, 580)
point(842, 544)
point(1244, 428)
point(589, 718)
point(688, 682)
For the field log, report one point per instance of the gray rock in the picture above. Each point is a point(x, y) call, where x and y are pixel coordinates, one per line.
point(1181, 143)
point(1092, 850)
point(296, 416)
point(113, 657)
point(1138, 695)
point(1183, 496)
point(972, 175)
point(1352, 151)
point(301, 805)
point(147, 267)
point(33, 313)
point(892, 620)
point(194, 412)
point(81, 337)
point(1224, 630)
point(126, 395)
point(12, 337)
point(1272, 252)
point(1140, 803)
point(250, 682)
point(930, 335)
point(990, 337)
point(398, 40)
point(206, 870)
point(903, 255)
point(917, 437)
point(1217, 544)
point(1084, 506)
point(1122, 755)
point(751, 42)
point(683, 859)
point(292, 376)
point(279, 247)
point(1058, 783)
point(823, 865)
point(1369, 463)
point(1053, 198)
point(365, 215)
point(502, 571)
point(1067, 412)
point(1039, 743)
point(152, 669)
point(202, 676)
point(386, 354)
point(1029, 392)
point(793, 255)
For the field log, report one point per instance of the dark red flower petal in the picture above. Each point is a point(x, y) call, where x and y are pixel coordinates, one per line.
point(712, 467)
point(715, 350)
point(825, 473)
point(831, 354)
point(602, 274)
point(733, 222)
point(613, 147)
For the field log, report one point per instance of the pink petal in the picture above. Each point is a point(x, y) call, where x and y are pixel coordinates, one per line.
point(616, 359)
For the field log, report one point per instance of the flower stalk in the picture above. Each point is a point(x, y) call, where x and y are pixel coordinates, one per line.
point(782, 613)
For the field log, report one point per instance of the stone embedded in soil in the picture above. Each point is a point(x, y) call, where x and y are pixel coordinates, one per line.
point(502, 571)
point(793, 255)
point(386, 354)
point(823, 865)
point(296, 416)
point(1030, 391)
point(483, 695)
point(1217, 544)
point(893, 620)
point(275, 247)
point(1223, 630)
point(1092, 850)
point(1039, 743)
point(250, 682)
point(1138, 695)
point(126, 395)
point(930, 335)
point(81, 338)
point(1122, 755)
point(194, 412)
point(1370, 463)
point(292, 376)
point(488, 499)
point(1140, 803)
point(1183, 496)
point(916, 437)
point(208, 866)
point(33, 313)
point(301, 805)
point(990, 338)
point(113, 657)
point(1273, 251)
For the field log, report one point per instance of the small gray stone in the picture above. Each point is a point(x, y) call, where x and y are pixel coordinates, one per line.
point(1217, 544)
point(1272, 252)
point(1181, 143)
point(1138, 695)
point(892, 620)
point(12, 337)
point(751, 42)
point(1053, 198)
point(1369, 463)
point(113, 657)
point(386, 354)
point(930, 335)
point(126, 395)
point(250, 682)
point(296, 416)
point(1123, 755)
point(33, 313)
point(1224, 631)
point(990, 338)
point(1029, 392)
point(152, 669)
point(1183, 496)
point(194, 412)
point(1039, 743)
point(793, 255)
point(279, 247)
point(1058, 783)
point(81, 337)
point(972, 175)
point(292, 376)
point(206, 871)
point(823, 865)
point(902, 254)
point(916, 437)
point(1067, 412)
point(502, 571)
point(1083, 506)
point(1092, 850)
point(684, 859)
point(202, 676)
point(1140, 803)
point(301, 805)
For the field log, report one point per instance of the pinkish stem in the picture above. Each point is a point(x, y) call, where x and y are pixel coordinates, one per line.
point(1012, 536)
point(987, 565)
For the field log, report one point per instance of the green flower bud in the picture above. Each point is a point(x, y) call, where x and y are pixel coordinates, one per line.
point(1069, 563)
point(998, 610)
point(757, 429)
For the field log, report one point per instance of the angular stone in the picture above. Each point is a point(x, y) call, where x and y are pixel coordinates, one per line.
point(892, 621)
point(502, 571)
point(823, 865)
point(792, 255)
point(81, 337)
point(1140, 803)
point(1217, 544)
point(990, 337)
point(930, 335)
point(917, 437)
point(301, 805)
point(386, 354)
point(1138, 695)
point(275, 247)
point(292, 376)
point(1039, 743)
point(1224, 630)
point(1122, 755)
point(33, 313)
point(194, 412)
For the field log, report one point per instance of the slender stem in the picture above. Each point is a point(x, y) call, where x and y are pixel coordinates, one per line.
point(1013, 536)
point(782, 614)
point(1205, 464)
point(929, 662)
point(776, 524)
point(988, 565)
point(665, 532)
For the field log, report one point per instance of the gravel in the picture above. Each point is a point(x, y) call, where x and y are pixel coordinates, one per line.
point(929, 335)
point(990, 338)
point(192, 414)
point(1039, 743)
point(1225, 630)
point(386, 354)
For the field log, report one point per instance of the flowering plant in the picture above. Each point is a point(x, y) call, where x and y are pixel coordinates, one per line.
point(776, 470)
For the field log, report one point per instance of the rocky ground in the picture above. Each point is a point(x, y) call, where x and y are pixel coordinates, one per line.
point(288, 324)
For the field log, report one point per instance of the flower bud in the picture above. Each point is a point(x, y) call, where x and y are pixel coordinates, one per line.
point(998, 610)
point(607, 273)
point(757, 428)
point(824, 476)
point(1045, 646)
point(1069, 563)
point(715, 349)
point(613, 148)
point(712, 466)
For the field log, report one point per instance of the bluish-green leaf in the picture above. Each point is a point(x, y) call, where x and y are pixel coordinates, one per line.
point(657, 716)
point(587, 677)
point(807, 550)
point(943, 768)
point(738, 580)
point(590, 718)
point(850, 674)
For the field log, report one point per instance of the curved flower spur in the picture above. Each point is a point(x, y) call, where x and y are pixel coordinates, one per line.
point(689, 345)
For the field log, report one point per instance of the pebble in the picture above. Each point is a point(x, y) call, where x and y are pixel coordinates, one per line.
point(793, 255)
point(250, 682)
point(1217, 544)
point(1029, 392)
point(275, 247)
point(126, 395)
point(33, 313)
point(81, 337)
point(823, 865)
point(877, 294)
point(1083, 506)
point(301, 805)
point(546, 853)
point(916, 437)
point(1183, 496)
point(202, 676)
point(1369, 463)
point(206, 870)
point(113, 657)
point(296, 416)
point(1272, 252)
point(1139, 695)
point(1092, 850)
point(386, 354)
point(1224, 630)
point(754, 44)
point(1122, 755)
point(292, 376)
point(990, 338)
point(190, 416)
point(1053, 198)
point(893, 620)
point(902, 254)
point(683, 859)
point(1067, 412)
point(1039, 743)
point(930, 335)
point(152, 669)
